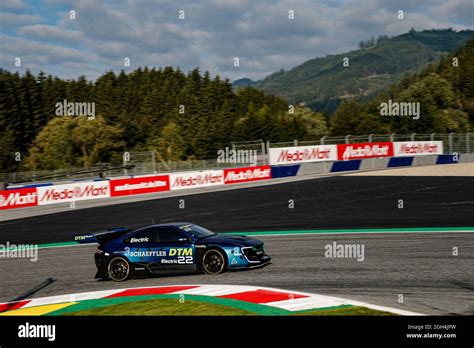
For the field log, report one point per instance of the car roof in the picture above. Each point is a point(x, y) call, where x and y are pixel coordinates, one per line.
point(137, 230)
point(175, 224)
point(169, 224)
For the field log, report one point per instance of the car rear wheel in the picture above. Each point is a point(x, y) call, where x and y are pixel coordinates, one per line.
point(214, 261)
point(119, 269)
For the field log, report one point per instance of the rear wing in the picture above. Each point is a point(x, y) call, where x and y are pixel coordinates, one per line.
point(102, 236)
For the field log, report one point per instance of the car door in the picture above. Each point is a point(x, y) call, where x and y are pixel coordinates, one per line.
point(140, 246)
point(177, 249)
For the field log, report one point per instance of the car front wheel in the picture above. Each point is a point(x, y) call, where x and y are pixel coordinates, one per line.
point(119, 269)
point(214, 261)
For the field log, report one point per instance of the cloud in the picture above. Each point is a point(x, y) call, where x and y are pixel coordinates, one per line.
point(12, 5)
point(10, 21)
point(260, 33)
point(50, 32)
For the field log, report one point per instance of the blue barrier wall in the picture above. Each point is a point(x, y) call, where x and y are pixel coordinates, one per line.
point(343, 166)
point(447, 159)
point(400, 162)
point(283, 171)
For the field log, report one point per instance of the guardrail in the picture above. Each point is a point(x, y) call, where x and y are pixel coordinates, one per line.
point(285, 161)
point(147, 163)
point(103, 189)
point(454, 142)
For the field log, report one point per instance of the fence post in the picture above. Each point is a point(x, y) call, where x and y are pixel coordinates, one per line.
point(450, 142)
point(392, 137)
point(432, 135)
point(370, 137)
point(264, 154)
point(322, 140)
point(153, 161)
point(268, 151)
point(295, 142)
point(125, 171)
point(468, 144)
point(413, 136)
point(347, 138)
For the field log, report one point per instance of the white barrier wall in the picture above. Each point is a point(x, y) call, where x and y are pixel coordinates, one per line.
point(417, 148)
point(302, 154)
point(78, 191)
point(205, 178)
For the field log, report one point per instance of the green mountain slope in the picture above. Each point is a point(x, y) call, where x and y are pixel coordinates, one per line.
point(322, 83)
point(443, 90)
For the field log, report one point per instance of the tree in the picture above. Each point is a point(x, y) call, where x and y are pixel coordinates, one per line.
point(52, 147)
point(347, 118)
point(454, 120)
point(94, 138)
point(314, 123)
point(8, 151)
point(169, 145)
point(434, 94)
point(73, 141)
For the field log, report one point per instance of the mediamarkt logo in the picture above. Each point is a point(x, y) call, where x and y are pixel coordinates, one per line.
point(366, 151)
point(142, 185)
point(17, 199)
point(248, 174)
point(197, 180)
point(76, 192)
point(418, 148)
point(305, 155)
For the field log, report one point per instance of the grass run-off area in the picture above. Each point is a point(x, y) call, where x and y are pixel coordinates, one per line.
point(164, 305)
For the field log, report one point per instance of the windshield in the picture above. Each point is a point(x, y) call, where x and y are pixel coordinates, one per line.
point(196, 231)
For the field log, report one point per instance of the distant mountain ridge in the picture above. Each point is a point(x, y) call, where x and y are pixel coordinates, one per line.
point(244, 82)
point(323, 82)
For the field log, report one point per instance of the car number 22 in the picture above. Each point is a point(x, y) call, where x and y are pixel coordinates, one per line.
point(185, 259)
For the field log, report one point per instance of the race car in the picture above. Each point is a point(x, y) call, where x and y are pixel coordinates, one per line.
point(171, 248)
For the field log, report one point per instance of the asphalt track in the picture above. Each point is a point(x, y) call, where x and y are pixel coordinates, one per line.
point(325, 203)
point(420, 265)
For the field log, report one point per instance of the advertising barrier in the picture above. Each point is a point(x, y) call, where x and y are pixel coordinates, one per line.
point(19, 198)
point(364, 150)
point(78, 191)
point(346, 157)
point(302, 154)
point(238, 175)
point(417, 148)
point(135, 186)
point(205, 178)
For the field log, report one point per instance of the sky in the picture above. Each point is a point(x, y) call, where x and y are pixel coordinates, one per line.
point(211, 35)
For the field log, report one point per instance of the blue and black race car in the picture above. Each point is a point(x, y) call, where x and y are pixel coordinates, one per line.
point(171, 248)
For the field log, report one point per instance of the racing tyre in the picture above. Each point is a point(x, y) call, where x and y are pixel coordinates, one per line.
point(118, 269)
point(214, 261)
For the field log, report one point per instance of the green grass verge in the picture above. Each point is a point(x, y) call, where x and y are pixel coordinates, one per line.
point(194, 305)
point(345, 311)
point(176, 303)
point(163, 307)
